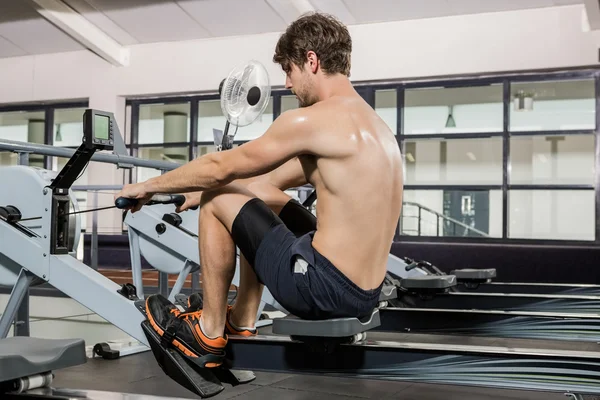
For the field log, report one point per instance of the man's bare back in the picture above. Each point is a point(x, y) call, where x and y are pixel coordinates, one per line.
point(359, 182)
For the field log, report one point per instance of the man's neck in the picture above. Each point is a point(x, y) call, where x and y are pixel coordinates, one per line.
point(335, 85)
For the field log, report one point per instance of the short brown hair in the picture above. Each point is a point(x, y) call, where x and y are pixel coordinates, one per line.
point(321, 33)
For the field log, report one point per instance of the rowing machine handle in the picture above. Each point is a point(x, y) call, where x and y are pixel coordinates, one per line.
point(177, 199)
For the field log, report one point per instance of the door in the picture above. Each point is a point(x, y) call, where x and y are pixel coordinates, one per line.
point(470, 208)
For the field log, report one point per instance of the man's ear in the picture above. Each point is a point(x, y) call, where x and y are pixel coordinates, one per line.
point(312, 61)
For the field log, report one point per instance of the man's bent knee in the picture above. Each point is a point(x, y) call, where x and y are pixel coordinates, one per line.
point(226, 202)
point(274, 197)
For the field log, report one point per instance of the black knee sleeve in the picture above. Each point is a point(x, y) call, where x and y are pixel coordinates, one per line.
point(250, 226)
point(298, 218)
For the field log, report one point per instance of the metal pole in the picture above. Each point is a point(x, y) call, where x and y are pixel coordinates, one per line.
point(21, 322)
point(419, 222)
point(23, 158)
point(89, 188)
point(163, 283)
point(42, 149)
point(14, 301)
point(94, 248)
point(22, 318)
point(195, 282)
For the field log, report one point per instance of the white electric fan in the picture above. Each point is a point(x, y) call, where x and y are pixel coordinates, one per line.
point(245, 94)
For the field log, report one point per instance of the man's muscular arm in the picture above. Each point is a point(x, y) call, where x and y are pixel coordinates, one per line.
point(287, 176)
point(288, 136)
point(284, 140)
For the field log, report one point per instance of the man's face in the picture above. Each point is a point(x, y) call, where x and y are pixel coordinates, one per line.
point(300, 82)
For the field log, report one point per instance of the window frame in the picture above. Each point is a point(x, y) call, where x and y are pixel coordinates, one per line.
point(367, 90)
point(48, 109)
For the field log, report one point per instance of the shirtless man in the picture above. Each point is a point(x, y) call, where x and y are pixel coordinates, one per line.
point(333, 267)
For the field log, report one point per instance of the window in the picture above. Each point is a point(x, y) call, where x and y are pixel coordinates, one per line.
point(177, 155)
point(164, 123)
point(386, 106)
point(453, 110)
point(22, 126)
point(288, 103)
point(8, 158)
point(473, 148)
point(552, 214)
point(452, 212)
point(553, 105)
point(205, 149)
point(210, 117)
point(68, 127)
point(552, 160)
point(455, 161)
point(539, 159)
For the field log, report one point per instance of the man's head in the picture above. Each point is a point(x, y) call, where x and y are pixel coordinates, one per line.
point(313, 47)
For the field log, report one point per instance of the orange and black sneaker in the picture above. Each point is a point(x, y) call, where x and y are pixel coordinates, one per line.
point(182, 330)
point(231, 329)
point(195, 304)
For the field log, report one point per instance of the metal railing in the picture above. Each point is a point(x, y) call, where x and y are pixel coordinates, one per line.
point(23, 149)
point(439, 217)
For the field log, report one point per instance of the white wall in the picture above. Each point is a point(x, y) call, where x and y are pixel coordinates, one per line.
point(538, 38)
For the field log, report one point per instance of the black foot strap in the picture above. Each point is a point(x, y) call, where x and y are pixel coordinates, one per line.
point(170, 332)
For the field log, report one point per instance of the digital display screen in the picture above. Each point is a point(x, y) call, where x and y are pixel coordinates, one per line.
point(101, 127)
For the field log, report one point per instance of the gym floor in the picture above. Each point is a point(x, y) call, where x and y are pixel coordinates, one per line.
point(140, 374)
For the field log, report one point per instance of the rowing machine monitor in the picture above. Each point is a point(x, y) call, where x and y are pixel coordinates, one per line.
point(98, 132)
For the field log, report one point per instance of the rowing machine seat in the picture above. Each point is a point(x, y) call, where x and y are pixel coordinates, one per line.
point(26, 356)
point(468, 274)
point(429, 282)
point(337, 327)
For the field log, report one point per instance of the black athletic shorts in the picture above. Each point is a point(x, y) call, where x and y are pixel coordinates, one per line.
point(303, 281)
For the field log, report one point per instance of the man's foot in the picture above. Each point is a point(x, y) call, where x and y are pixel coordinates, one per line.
point(195, 304)
point(182, 330)
point(231, 329)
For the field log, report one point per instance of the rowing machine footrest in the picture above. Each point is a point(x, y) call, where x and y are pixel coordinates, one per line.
point(474, 275)
point(337, 327)
point(428, 284)
point(201, 381)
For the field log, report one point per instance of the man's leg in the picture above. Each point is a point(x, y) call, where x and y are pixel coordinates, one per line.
point(201, 332)
point(218, 211)
point(248, 298)
point(250, 289)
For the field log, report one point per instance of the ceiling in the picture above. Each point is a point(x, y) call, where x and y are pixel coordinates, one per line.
point(24, 32)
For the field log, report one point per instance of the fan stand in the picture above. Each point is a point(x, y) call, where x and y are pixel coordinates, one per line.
point(226, 140)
